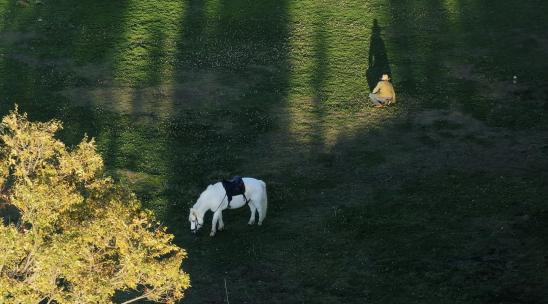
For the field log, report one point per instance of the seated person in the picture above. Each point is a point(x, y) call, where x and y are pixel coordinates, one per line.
point(383, 94)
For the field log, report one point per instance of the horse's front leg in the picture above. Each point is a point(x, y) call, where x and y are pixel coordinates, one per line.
point(221, 223)
point(216, 216)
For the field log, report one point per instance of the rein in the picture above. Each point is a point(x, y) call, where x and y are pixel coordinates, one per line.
point(222, 200)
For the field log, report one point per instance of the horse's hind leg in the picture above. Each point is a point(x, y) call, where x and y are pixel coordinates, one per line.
point(252, 217)
point(261, 208)
point(261, 215)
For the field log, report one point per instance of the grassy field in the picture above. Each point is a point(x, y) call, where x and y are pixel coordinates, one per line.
point(440, 199)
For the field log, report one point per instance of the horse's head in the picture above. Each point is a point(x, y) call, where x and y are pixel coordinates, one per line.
point(196, 220)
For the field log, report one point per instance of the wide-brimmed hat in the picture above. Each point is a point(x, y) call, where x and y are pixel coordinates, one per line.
point(385, 77)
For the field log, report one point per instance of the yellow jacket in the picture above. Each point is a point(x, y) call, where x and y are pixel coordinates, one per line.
point(385, 89)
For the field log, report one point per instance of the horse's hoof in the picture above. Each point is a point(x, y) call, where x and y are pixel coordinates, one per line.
point(260, 223)
point(251, 223)
point(212, 234)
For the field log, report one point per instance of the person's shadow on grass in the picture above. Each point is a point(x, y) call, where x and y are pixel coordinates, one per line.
point(378, 59)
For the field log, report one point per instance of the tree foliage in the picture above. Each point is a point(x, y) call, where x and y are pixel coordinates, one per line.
point(80, 237)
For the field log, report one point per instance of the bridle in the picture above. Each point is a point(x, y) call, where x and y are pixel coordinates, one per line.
point(196, 224)
point(195, 221)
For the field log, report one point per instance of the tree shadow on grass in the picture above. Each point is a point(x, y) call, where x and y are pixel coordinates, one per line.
point(237, 48)
point(58, 46)
point(422, 41)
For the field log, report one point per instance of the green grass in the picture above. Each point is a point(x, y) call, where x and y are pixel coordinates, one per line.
point(440, 199)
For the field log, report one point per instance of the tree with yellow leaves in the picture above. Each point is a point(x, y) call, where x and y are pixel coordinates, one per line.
point(79, 237)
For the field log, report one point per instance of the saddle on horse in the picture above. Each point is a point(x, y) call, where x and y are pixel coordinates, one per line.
point(233, 187)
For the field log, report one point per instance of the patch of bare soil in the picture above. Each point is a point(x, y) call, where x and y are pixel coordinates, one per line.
point(95, 73)
point(503, 90)
point(492, 88)
point(201, 90)
point(470, 147)
point(470, 144)
point(12, 38)
point(514, 99)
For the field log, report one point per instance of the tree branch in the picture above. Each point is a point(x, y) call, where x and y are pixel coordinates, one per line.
point(137, 298)
point(28, 262)
point(5, 198)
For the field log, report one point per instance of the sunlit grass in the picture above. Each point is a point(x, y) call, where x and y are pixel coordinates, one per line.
point(453, 11)
point(146, 51)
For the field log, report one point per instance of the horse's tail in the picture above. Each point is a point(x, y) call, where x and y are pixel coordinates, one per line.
point(264, 203)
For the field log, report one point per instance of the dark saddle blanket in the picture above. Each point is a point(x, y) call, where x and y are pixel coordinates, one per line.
point(233, 187)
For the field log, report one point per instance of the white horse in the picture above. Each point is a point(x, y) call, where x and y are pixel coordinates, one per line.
point(214, 198)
